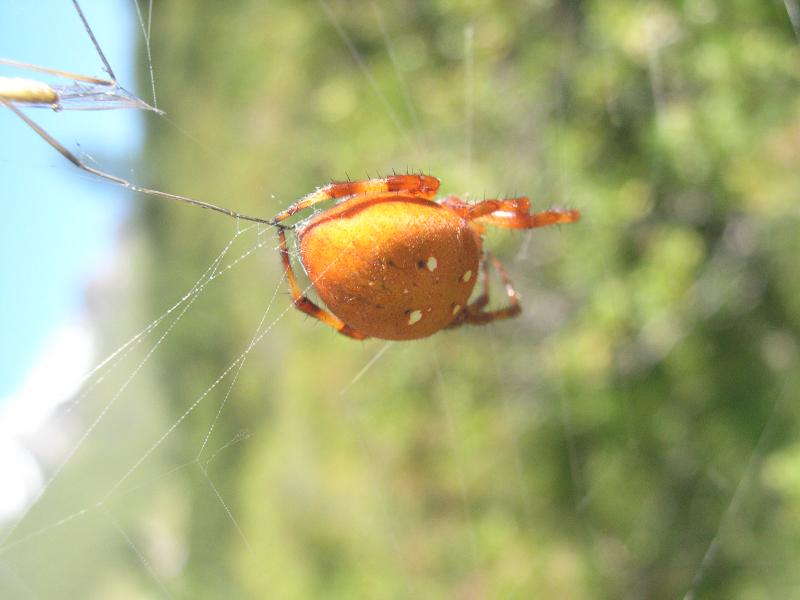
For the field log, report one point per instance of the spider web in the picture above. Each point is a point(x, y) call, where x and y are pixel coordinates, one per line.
point(272, 457)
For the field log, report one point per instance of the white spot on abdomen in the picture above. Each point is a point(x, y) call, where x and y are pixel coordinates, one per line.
point(431, 263)
point(467, 276)
point(414, 316)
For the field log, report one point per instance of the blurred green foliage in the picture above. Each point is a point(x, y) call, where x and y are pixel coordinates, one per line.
point(633, 434)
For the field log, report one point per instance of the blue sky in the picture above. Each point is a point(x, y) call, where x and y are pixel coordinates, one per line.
point(57, 223)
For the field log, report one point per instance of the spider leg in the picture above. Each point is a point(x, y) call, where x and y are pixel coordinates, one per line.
point(510, 213)
point(305, 305)
point(474, 312)
point(418, 186)
point(483, 299)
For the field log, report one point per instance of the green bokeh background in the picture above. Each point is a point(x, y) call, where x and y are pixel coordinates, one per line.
point(633, 434)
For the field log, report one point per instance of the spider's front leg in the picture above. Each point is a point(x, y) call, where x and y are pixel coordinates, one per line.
point(418, 186)
point(304, 304)
point(510, 213)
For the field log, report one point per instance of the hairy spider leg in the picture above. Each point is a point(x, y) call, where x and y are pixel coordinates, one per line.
point(418, 186)
point(306, 305)
point(510, 213)
point(474, 312)
point(480, 302)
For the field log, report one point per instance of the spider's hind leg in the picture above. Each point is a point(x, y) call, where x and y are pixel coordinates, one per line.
point(475, 312)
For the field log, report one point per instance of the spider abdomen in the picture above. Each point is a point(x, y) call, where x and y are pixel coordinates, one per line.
point(393, 267)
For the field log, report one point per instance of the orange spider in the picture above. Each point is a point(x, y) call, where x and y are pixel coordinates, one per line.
point(390, 261)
